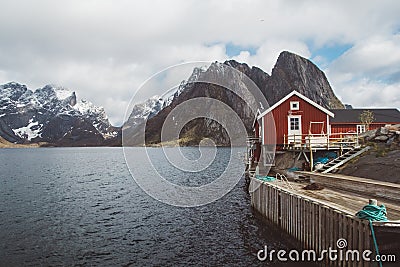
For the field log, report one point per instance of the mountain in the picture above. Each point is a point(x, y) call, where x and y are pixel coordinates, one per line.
point(52, 114)
point(291, 72)
point(147, 109)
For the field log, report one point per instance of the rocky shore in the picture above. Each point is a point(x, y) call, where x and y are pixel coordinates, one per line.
point(382, 162)
point(390, 135)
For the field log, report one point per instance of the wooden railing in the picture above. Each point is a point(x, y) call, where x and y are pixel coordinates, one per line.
point(318, 226)
point(318, 141)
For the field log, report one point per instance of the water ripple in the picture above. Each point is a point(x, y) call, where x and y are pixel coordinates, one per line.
point(81, 207)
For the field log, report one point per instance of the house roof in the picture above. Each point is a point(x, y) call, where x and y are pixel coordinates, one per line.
point(302, 97)
point(391, 115)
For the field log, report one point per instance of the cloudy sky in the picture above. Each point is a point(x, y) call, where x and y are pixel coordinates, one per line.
point(105, 49)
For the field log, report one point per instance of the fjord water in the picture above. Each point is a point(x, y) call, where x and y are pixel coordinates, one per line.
point(80, 206)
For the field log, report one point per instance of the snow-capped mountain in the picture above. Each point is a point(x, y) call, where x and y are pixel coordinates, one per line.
point(143, 111)
point(51, 114)
point(152, 106)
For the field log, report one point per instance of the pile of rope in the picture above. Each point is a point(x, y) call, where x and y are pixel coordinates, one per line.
point(372, 212)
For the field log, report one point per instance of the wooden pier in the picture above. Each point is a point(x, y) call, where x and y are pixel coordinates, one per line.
point(384, 191)
point(318, 219)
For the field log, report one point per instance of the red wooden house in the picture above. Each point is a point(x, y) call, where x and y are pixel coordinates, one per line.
point(348, 120)
point(296, 120)
point(298, 123)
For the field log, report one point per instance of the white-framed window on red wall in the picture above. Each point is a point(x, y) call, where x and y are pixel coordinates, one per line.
point(361, 128)
point(294, 105)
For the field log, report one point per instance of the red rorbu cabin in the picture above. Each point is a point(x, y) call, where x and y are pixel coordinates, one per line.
point(348, 120)
point(298, 123)
point(298, 120)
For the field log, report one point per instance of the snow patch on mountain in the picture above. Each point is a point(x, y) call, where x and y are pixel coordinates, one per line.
point(30, 131)
point(85, 107)
point(144, 111)
point(62, 93)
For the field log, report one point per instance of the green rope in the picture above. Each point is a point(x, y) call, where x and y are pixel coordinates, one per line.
point(265, 178)
point(373, 213)
point(375, 242)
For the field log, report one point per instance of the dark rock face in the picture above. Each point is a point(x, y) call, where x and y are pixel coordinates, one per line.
point(197, 129)
point(51, 114)
point(71, 131)
point(7, 133)
point(291, 72)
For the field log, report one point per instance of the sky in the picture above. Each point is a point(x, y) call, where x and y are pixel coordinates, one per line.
point(105, 49)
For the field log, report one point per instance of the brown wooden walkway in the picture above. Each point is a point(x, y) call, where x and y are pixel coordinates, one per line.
point(348, 202)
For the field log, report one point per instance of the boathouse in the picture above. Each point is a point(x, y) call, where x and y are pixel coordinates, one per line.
point(296, 123)
point(348, 120)
point(297, 120)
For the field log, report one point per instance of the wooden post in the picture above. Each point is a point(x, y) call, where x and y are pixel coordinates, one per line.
point(294, 141)
point(284, 141)
point(327, 140)
point(341, 144)
point(311, 155)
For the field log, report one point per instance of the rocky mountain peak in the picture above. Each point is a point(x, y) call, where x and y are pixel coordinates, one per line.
point(56, 93)
point(288, 59)
point(293, 72)
point(12, 90)
point(242, 67)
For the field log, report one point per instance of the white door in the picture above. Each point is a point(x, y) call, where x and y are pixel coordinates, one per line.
point(294, 129)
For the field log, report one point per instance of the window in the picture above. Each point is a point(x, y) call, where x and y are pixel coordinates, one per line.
point(294, 123)
point(294, 105)
point(361, 128)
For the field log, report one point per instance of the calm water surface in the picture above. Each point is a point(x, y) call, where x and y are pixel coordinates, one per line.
point(80, 207)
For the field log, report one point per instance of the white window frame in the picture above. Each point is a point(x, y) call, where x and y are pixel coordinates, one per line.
point(294, 105)
point(298, 117)
point(361, 128)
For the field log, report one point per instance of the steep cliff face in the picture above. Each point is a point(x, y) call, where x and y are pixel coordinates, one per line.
point(291, 72)
point(197, 129)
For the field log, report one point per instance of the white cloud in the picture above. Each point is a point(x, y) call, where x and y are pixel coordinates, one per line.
point(377, 57)
point(367, 93)
point(368, 74)
point(105, 49)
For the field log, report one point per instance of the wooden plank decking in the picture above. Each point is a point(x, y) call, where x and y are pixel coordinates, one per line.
point(318, 219)
point(385, 191)
point(348, 202)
